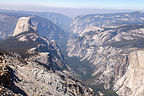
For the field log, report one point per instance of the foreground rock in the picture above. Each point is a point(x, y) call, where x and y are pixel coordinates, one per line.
point(34, 77)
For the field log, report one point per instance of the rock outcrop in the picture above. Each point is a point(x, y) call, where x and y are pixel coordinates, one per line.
point(24, 30)
point(6, 84)
point(37, 75)
point(131, 84)
point(24, 25)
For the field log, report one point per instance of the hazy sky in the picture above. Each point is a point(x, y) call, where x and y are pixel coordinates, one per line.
point(74, 7)
point(117, 4)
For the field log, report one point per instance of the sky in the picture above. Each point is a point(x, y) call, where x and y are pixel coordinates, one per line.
point(73, 7)
point(117, 4)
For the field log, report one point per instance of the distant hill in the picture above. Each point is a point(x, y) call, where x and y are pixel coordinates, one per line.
point(106, 20)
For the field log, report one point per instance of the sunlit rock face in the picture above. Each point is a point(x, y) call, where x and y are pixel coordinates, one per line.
point(131, 84)
point(24, 25)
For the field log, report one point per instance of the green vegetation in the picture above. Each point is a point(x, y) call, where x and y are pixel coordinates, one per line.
point(101, 88)
point(84, 70)
point(13, 45)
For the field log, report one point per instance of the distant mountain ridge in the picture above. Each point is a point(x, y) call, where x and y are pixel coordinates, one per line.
point(106, 20)
point(56, 18)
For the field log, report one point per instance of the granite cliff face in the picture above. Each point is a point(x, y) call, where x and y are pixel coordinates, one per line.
point(37, 67)
point(108, 47)
point(131, 84)
point(24, 25)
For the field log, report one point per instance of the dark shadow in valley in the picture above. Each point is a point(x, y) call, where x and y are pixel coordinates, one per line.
point(138, 43)
point(12, 86)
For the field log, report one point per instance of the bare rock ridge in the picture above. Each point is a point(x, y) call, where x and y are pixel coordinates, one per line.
point(38, 69)
point(24, 25)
